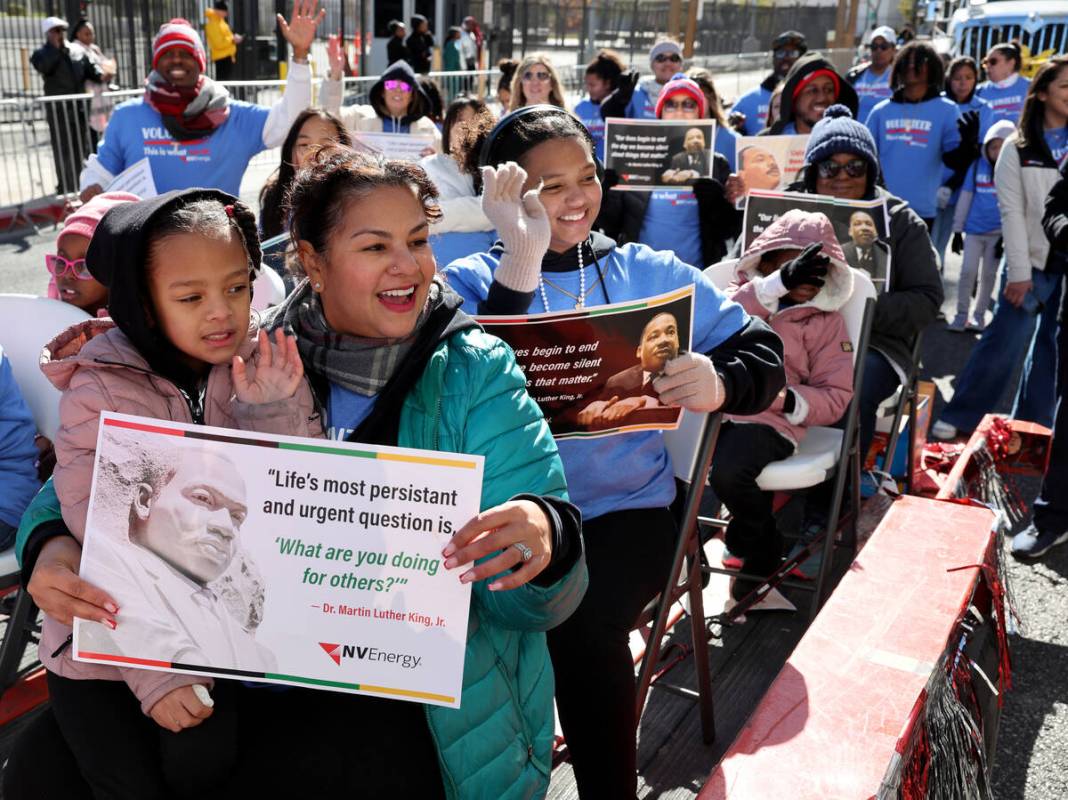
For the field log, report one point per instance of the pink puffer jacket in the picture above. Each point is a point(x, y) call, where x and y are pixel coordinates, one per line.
point(818, 351)
point(98, 369)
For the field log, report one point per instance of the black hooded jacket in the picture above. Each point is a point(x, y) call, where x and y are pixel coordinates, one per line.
point(807, 64)
point(118, 256)
point(419, 106)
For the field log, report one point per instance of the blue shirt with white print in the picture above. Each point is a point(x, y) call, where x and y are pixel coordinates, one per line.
point(910, 139)
point(754, 104)
point(871, 90)
point(345, 410)
point(672, 223)
point(1005, 102)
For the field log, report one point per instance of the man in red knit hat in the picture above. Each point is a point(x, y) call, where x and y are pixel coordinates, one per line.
point(187, 125)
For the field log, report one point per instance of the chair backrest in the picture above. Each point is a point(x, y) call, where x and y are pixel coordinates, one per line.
point(268, 289)
point(29, 323)
point(722, 274)
point(853, 310)
point(683, 443)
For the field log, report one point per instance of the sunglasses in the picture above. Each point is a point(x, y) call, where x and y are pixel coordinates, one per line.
point(681, 105)
point(398, 86)
point(673, 57)
point(882, 46)
point(540, 75)
point(58, 266)
point(855, 168)
point(782, 52)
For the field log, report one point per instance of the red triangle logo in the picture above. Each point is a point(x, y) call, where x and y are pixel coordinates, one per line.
point(332, 651)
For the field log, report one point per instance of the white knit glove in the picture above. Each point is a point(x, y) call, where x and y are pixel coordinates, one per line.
point(690, 381)
point(521, 222)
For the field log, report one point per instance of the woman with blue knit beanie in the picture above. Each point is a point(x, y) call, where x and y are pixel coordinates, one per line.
point(841, 161)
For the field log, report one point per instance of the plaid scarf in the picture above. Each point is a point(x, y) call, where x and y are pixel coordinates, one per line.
point(188, 113)
point(361, 365)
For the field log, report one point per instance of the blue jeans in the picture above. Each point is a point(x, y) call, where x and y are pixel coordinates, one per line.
point(1012, 335)
point(943, 230)
point(880, 381)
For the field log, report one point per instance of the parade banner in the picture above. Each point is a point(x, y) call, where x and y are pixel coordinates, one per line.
point(769, 163)
point(650, 154)
point(591, 369)
point(861, 226)
point(398, 146)
point(278, 559)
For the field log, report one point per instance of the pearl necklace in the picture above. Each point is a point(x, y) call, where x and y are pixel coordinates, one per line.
point(581, 296)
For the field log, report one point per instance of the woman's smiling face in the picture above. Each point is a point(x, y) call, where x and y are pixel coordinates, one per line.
point(375, 275)
point(570, 190)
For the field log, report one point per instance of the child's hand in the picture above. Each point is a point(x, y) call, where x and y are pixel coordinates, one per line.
point(277, 375)
point(180, 709)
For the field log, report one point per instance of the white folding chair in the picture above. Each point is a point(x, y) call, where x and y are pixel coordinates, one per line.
point(29, 323)
point(824, 449)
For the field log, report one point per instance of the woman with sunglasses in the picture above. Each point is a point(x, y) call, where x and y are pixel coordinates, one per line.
point(398, 104)
point(635, 98)
point(694, 223)
point(535, 83)
point(1004, 88)
point(872, 78)
point(70, 280)
point(841, 161)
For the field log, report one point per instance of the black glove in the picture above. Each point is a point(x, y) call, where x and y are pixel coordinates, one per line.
point(958, 243)
point(999, 248)
point(736, 120)
point(707, 189)
point(808, 269)
point(968, 127)
point(615, 105)
point(609, 179)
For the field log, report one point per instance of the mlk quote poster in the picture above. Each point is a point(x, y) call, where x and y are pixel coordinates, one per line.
point(769, 163)
point(655, 154)
point(397, 146)
point(278, 559)
point(861, 227)
point(591, 370)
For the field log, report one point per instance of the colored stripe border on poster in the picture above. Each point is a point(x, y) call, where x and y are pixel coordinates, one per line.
point(596, 311)
point(270, 676)
point(306, 448)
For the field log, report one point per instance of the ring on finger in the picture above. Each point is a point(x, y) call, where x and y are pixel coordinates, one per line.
point(524, 551)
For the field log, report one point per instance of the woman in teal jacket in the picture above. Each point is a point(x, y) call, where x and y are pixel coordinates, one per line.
point(372, 299)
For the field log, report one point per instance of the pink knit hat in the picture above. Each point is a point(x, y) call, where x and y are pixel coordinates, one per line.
point(178, 33)
point(84, 221)
point(680, 84)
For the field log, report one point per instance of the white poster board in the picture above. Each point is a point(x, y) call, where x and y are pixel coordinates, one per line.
point(279, 559)
point(397, 146)
point(136, 179)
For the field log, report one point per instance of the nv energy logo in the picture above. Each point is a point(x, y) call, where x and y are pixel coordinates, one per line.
point(366, 653)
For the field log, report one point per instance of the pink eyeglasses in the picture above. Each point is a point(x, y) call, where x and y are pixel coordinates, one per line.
point(59, 266)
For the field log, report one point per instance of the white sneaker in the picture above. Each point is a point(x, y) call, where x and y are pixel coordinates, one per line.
point(943, 431)
point(958, 324)
point(976, 324)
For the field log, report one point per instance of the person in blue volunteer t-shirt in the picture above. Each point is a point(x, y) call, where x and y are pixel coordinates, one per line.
point(917, 130)
point(977, 232)
point(750, 111)
point(1004, 88)
point(962, 77)
point(602, 78)
point(872, 78)
point(635, 97)
point(543, 195)
point(191, 131)
point(694, 223)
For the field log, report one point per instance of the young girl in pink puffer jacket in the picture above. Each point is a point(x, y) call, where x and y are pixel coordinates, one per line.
point(179, 346)
point(794, 276)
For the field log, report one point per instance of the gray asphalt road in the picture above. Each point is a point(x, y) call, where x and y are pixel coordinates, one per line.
point(1032, 756)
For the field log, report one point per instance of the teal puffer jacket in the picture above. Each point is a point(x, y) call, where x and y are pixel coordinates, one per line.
point(471, 399)
point(498, 744)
